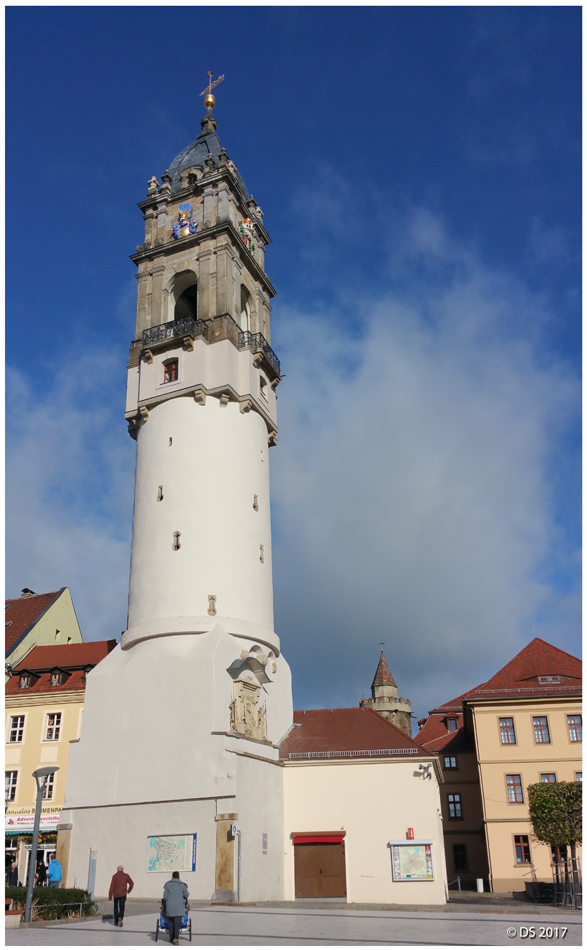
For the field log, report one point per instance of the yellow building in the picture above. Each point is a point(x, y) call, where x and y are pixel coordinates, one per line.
point(524, 726)
point(38, 619)
point(44, 703)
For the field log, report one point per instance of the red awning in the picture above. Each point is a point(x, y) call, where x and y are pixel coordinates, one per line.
point(318, 839)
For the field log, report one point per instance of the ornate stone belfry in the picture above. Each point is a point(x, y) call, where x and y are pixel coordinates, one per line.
point(182, 721)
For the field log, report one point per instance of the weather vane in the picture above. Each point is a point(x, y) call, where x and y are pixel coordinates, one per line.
point(210, 100)
point(381, 643)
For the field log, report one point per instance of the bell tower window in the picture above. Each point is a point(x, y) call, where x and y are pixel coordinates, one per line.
point(245, 309)
point(170, 371)
point(187, 304)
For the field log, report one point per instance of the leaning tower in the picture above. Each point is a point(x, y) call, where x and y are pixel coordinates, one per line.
point(183, 720)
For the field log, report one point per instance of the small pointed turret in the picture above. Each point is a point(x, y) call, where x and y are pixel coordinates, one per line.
point(384, 698)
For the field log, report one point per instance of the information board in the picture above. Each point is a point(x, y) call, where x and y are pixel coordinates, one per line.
point(172, 853)
point(412, 862)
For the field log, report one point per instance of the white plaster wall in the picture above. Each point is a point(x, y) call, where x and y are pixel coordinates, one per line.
point(218, 460)
point(374, 802)
point(259, 805)
point(210, 365)
point(149, 717)
point(120, 835)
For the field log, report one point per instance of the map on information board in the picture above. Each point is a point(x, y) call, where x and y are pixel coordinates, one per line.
point(172, 853)
point(412, 862)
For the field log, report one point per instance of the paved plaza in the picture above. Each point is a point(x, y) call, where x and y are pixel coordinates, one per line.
point(264, 926)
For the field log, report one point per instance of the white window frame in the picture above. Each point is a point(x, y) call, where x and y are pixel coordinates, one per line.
point(48, 788)
point(55, 727)
point(10, 740)
point(11, 785)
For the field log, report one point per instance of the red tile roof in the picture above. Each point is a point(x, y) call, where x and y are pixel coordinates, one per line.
point(22, 613)
point(383, 675)
point(517, 679)
point(520, 675)
point(332, 733)
point(72, 657)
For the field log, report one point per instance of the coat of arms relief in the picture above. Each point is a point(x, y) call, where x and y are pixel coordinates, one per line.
point(248, 711)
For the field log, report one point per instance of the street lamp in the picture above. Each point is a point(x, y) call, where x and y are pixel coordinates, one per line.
point(38, 774)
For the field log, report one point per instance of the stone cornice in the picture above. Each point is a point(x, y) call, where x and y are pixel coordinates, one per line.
point(206, 234)
point(45, 699)
point(246, 403)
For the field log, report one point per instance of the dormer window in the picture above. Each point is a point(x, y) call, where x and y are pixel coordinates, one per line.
point(170, 371)
point(549, 679)
point(451, 725)
point(192, 179)
point(24, 681)
point(56, 678)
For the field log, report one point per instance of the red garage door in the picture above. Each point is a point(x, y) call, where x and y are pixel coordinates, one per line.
point(319, 867)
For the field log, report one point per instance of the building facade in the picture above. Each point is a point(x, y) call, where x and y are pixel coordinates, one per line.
point(38, 619)
point(523, 726)
point(362, 811)
point(44, 704)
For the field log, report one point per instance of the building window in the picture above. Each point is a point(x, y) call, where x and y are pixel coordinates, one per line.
point(450, 761)
point(16, 728)
point(459, 855)
point(522, 848)
point(56, 679)
point(578, 776)
point(263, 386)
point(451, 725)
point(24, 681)
point(575, 728)
point(454, 806)
point(547, 777)
point(506, 728)
point(10, 786)
point(549, 679)
point(170, 371)
point(53, 726)
point(515, 792)
point(48, 787)
point(541, 733)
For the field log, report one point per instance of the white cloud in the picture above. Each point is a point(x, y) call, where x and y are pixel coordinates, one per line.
point(412, 498)
point(69, 490)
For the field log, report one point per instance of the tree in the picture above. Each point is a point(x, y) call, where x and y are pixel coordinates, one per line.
point(556, 815)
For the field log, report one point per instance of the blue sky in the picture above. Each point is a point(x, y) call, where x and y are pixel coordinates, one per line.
point(419, 173)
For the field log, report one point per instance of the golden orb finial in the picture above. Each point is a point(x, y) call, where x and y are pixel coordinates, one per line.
point(210, 100)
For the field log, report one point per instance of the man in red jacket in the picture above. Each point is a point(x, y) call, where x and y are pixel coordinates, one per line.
point(120, 885)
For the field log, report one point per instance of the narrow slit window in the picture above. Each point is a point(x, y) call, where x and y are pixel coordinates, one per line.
point(160, 493)
point(256, 502)
point(176, 542)
point(262, 553)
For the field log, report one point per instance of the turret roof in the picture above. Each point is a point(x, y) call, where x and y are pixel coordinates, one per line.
point(383, 675)
point(195, 154)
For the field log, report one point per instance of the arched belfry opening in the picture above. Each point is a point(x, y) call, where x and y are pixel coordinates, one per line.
point(185, 296)
point(245, 308)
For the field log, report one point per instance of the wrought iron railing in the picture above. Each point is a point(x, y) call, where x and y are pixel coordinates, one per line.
point(257, 343)
point(176, 328)
point(361, 753)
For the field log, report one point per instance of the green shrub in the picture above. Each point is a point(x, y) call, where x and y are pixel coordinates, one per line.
point(52, 903)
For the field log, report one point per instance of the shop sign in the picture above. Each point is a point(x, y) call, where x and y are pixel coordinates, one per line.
point(24, 822)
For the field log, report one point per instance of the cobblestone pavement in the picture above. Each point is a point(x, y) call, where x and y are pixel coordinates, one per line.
point(256, 926)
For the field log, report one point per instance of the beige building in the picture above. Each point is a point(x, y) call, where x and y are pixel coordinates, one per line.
point(44, 704)
point(362, 811)
point(525, 726)
point(38, 620)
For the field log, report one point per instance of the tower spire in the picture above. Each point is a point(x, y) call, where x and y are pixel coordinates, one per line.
point(384, 698)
